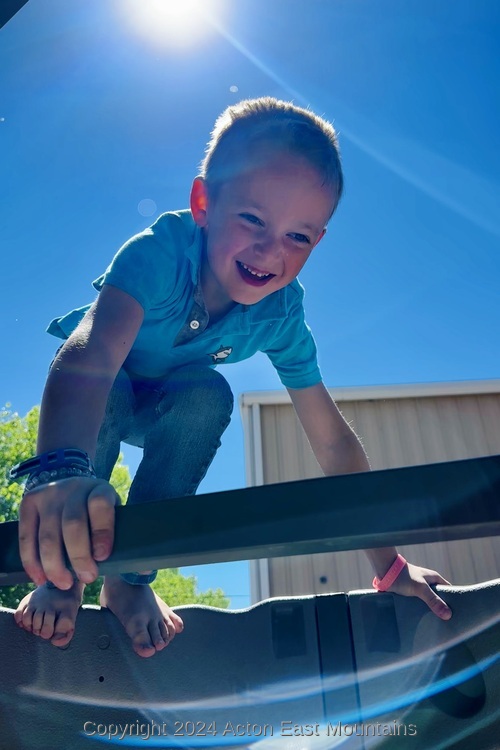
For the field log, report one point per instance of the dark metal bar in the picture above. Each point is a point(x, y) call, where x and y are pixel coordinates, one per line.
point(9, 8)
point(435, 502)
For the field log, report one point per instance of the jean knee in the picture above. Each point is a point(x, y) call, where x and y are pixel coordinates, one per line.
point(217, 389)
point(215, 393)
point(200, 388)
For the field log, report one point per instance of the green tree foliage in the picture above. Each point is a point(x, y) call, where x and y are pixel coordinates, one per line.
point(175, 589)
point(17, 443)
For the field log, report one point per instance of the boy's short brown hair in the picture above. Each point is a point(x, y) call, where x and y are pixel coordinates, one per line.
point(254, 122)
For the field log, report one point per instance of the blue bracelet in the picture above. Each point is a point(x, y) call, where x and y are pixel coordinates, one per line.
point(51, 461)
point(53, 466)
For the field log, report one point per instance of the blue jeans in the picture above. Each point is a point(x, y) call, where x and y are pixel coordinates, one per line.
point(178, 421)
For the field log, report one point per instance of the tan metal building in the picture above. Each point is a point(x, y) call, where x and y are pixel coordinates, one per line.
point(399, 425)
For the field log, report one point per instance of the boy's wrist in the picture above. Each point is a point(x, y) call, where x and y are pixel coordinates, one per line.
point(385, 583)
point(53, 466)
point(381, 559)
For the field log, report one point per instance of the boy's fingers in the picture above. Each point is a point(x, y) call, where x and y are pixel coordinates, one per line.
point(436, 578)
point(28, 540)
point(79, 514)
point(101, 508)
point(434, 602)
point(88, 527)
point(76, 533)
point(50, 545)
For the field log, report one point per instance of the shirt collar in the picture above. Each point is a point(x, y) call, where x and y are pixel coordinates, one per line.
point(193, 253)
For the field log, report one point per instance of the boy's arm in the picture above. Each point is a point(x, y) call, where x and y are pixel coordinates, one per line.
point(339, 451)
point(78, 513)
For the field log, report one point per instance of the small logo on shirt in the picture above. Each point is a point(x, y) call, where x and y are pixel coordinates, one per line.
point(221, 354)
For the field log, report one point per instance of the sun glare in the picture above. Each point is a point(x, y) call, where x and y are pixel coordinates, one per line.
point(171, 22)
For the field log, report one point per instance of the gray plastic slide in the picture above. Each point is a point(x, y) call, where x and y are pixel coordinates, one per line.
point(358, 670)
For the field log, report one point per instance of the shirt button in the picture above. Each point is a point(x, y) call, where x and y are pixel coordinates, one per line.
point(195, 324)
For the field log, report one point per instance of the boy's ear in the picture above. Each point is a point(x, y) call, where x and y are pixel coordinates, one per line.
point(320, 237)
point(199, 201)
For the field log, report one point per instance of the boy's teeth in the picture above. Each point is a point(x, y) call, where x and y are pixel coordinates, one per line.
point(255, 273)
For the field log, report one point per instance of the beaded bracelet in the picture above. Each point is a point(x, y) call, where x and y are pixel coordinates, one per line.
point(382, 584)
point(55, 475)
point(53, 466)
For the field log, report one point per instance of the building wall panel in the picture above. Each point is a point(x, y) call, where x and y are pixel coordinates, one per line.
point(395, 432)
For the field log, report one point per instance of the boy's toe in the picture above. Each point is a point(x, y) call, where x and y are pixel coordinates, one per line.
point(142, 647)
point(37, 622)
point(170, 626)
point(62, 639)
point(47, 630)
point(164, 632)
point(177, 623)
point(63, 632)
point(157, 639)
point(27, 619)
point(141, 639)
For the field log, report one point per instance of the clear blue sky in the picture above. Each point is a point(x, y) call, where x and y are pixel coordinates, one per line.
point(101, 121)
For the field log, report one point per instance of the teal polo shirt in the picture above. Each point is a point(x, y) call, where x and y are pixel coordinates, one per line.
point(160, 268)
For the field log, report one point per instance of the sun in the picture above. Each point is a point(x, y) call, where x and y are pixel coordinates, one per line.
point(171, 22)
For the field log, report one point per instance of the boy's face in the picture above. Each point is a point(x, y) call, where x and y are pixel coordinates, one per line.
point(261, 228)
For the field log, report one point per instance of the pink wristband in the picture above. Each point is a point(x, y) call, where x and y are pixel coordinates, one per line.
point(382, 584)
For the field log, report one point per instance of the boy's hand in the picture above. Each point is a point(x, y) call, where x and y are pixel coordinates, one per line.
point(414, 581)
point(77, 514)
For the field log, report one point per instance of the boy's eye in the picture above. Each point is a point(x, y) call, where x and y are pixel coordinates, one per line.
point(300, 238)
point(252, 219)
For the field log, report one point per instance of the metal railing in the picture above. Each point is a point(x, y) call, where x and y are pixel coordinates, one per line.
point(413, 505)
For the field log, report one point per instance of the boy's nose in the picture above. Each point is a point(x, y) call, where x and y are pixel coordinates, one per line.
point(269, 247)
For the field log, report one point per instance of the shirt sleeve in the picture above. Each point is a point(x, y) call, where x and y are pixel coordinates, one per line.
point(148, 265)
point(292, 350)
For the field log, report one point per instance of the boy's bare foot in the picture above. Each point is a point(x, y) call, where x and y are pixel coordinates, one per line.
point(149, 622)
point(51, 613)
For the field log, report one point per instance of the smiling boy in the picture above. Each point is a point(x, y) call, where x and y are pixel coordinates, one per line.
point(199, 288)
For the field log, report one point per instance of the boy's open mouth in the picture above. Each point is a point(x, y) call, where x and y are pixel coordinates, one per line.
point(255, 278)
